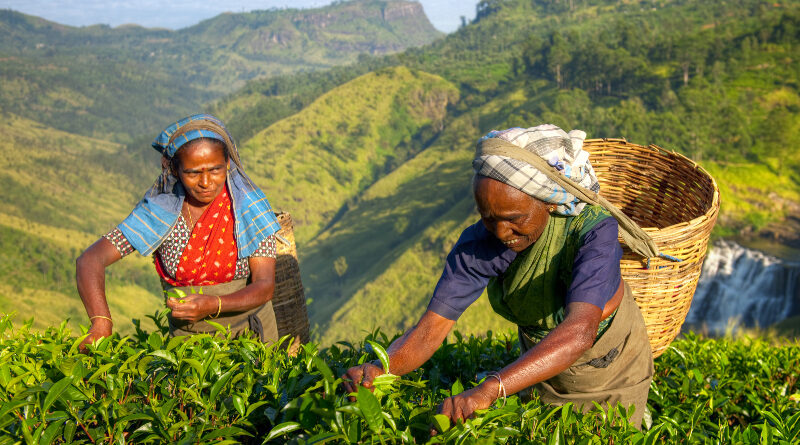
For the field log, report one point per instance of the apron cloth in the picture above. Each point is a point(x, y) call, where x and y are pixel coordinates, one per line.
point(260, 320)
point(618, 368)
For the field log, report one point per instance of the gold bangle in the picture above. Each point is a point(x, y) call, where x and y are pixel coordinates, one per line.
point(103, 317)
point(501, 388)
point(219, 307)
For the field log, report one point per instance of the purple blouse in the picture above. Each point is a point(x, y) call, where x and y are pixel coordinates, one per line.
point(479, 256)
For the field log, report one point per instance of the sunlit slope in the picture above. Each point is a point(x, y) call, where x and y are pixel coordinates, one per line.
point(61, 194)
point(315, 163)
point(395, 239)
point(61, 179)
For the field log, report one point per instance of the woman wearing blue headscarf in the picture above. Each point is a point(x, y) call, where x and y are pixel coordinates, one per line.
point(210, 230)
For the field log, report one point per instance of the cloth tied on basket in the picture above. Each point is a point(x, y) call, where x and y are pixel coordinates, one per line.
point(157, 213)
point(549, 164)
point(561, 150)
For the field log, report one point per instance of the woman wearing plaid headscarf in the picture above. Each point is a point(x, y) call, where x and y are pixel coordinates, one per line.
point(210, 231)
point(550, 264)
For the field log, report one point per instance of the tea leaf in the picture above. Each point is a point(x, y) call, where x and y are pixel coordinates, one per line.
point(219, 384)
point(226, 432)
point(381, 353)
point(323, 368)
point(441, 423)
point(55, 392)
point(283, 428)
point(370, 409)
point(238, 404)
point(166, 355)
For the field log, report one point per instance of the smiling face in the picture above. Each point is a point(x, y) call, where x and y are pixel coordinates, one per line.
point(202, 169)
point(512, 216)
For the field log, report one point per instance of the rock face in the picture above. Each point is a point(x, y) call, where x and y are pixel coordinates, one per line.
point(375, 27)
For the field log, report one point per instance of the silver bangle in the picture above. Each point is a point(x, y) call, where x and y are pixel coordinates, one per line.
point(500, 388)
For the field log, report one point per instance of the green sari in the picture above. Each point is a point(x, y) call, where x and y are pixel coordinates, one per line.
point(531, 292)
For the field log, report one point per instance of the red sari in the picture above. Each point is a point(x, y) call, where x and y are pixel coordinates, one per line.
point(210, 255)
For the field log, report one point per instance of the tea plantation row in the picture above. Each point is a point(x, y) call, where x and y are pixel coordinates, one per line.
point(148, 388)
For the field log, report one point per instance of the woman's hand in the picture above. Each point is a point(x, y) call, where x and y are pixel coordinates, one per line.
point(463, 406)
point(361, 375)
point(194, 307)
point(100, 328)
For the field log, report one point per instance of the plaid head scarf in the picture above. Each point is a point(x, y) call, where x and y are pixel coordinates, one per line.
point(560, 149)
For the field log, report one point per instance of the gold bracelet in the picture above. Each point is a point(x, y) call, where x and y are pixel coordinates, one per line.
point(501, 388)
point(219, 307)
point(103, 317)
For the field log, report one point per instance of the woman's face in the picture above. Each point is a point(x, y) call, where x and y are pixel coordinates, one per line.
point(202, 169)
point(512, 216)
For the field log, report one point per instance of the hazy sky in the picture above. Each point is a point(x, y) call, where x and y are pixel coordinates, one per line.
point(444, 14)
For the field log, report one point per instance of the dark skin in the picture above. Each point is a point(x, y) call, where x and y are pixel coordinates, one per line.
point(517, 220)
point(202, 169)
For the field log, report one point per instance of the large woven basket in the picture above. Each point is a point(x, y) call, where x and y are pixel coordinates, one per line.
point(289, 300)
point(676, 202)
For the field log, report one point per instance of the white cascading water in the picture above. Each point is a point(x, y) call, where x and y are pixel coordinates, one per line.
point(743, 287)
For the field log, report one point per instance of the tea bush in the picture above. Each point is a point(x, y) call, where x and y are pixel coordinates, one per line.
point(149, 388)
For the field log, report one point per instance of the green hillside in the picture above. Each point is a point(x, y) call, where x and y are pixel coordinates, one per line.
point(394, 239)
point(319, 161)
point(373, 159)
point(119, 83)
point(48, 220)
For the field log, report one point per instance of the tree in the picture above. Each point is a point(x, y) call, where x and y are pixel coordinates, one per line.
point(558, 56)
point(340, 266)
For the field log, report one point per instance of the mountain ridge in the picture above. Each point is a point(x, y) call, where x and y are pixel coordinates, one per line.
point(74, 77)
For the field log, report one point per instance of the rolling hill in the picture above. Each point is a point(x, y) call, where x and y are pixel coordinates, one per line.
point(119, 83)
point(373, 158)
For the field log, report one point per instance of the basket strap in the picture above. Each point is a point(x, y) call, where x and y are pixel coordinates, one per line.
point(634, 237)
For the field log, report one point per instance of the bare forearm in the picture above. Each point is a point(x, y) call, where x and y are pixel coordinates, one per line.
point(417, 345)
point(258, 292)
point(251, 296)
point(550, 357)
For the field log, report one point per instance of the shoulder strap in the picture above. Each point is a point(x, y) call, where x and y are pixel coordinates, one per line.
point(634, 237)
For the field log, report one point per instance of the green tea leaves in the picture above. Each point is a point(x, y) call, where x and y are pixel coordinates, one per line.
point(222, 389)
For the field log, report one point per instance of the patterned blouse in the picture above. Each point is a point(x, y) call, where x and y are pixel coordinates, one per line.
point(171, 249)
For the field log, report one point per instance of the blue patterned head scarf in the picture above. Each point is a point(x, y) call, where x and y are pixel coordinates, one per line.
point(156, 214)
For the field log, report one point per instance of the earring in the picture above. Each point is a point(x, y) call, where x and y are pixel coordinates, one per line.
point(552, 209)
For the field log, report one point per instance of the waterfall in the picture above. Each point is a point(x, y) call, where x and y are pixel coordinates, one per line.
point(743, 287)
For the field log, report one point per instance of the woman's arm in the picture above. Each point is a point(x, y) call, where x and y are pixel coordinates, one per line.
point(406, 354)
point(90, 278)
point(196, 307)
point(554, 354)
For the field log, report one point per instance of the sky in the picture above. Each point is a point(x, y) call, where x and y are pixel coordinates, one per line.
point(445, 15)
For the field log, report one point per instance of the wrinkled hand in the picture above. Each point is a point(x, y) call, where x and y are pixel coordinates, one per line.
point(194, 307)
point(99, 329)
point(463, 406)
point(360, 375)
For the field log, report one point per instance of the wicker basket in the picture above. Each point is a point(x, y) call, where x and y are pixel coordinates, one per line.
point(289, 301)
point(676, 202)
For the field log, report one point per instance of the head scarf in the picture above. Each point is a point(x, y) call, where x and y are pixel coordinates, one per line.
point(156, 214)
point(560, 149)
point(551, 165)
